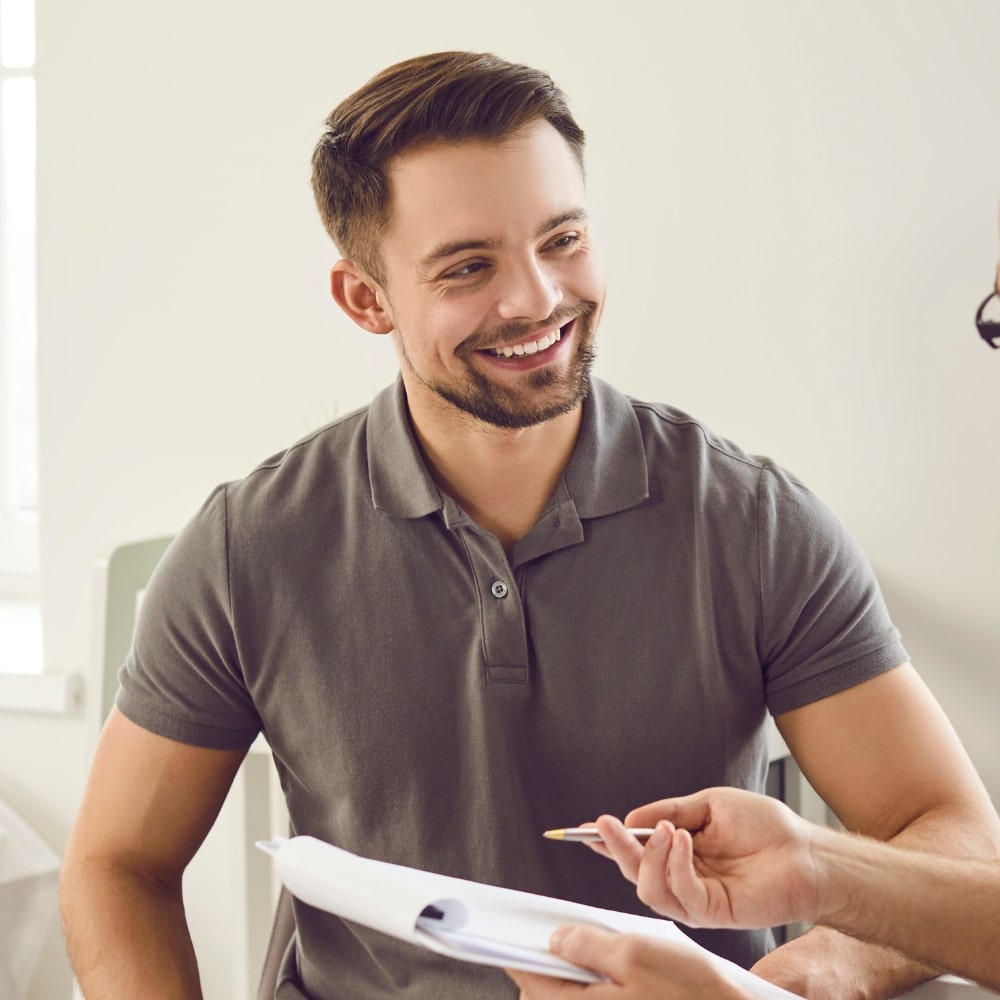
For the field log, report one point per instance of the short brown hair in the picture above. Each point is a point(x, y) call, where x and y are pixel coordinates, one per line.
point(446, 96)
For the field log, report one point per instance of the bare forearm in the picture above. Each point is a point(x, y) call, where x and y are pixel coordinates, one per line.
point(943, 911)
point(827, 964)
point(877, 952)
point(127, 937)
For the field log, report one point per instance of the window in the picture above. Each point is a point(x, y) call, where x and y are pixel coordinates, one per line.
point(18, 294)
point(20, 618)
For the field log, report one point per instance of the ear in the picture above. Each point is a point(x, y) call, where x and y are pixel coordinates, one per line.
point(360, 296)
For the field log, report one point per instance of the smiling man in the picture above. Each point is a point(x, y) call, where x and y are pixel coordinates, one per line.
point(493, 302)
point(501, 596)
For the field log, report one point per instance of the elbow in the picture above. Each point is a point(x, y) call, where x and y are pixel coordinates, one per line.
point(959, 828)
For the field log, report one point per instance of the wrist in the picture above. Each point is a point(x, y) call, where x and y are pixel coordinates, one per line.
point(835, 860)
point(853, 884)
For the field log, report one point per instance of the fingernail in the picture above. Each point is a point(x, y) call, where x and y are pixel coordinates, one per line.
point(662, 833)
point(555, 942)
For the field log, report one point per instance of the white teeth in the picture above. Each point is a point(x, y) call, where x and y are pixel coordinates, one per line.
point(534, 347)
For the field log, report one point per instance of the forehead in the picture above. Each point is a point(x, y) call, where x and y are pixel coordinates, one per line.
point(476, 190)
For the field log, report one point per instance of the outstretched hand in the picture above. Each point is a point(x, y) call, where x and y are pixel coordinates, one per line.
point(722, 857)
point(639, 968)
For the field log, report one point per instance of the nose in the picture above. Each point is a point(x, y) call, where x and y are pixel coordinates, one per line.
point(528, 291)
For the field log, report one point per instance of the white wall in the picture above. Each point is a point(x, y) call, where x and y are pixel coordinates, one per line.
point(797, 205)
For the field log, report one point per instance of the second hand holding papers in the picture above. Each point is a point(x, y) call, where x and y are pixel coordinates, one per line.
point(470, 921)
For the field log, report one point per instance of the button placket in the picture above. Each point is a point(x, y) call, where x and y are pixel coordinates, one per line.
point(505, 640)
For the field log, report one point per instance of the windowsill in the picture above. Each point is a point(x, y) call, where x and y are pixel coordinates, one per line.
point(42, 694)
point(24, 687)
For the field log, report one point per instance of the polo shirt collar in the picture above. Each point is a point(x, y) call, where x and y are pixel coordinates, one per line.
point(606, 473)
point(401, 484)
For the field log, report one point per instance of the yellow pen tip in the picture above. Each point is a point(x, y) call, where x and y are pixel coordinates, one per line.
point(555, 834)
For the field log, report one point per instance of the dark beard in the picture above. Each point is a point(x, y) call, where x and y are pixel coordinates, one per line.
point(495, 406)
point(499, 407)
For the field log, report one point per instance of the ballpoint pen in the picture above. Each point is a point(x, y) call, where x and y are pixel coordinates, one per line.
point(589, 834)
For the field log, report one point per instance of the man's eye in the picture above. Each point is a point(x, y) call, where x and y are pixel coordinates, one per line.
point(563, 242)
point(466, 270)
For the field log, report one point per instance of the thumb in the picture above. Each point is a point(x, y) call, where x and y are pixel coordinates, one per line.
point(586, 946)
point(687, 812)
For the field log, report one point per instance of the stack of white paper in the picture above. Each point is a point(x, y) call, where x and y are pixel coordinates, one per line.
point(466, 920)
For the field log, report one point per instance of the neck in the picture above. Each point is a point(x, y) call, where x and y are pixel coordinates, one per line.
point(501, 478)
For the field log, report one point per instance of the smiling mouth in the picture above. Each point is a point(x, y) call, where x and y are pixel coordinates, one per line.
point(529, 347)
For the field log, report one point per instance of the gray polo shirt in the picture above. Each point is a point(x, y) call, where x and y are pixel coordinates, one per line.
point(432, 702)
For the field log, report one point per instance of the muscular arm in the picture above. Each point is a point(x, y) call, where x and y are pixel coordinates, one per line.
point(941, 910)
point(886, 760)
point(724, 857)
point(148, 805)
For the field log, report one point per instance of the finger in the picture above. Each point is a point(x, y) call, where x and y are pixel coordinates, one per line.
point(691, 812)
point(589, 947)
point(689, 890)
point(640, 967)
point(653, 883)
point(620, 846)
point(595, 845)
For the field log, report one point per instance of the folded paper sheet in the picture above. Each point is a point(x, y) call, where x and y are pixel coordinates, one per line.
point(466, 920)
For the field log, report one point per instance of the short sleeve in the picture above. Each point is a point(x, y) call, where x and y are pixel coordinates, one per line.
point(182, 678)
point(824, 623)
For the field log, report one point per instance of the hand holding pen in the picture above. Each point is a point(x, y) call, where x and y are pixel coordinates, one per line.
point(715, 859)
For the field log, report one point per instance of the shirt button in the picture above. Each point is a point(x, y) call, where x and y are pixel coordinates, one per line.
point(499, 588)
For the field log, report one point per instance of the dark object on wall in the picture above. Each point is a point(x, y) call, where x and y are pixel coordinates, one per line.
point(989, 329)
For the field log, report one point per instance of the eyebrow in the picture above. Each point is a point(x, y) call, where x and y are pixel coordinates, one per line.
point(452, 247)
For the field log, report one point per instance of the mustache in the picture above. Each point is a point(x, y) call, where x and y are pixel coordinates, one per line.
point(509, 333)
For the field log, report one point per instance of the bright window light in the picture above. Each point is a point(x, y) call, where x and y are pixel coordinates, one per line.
point(17, 116)
point(17, 33)
point(18, 334)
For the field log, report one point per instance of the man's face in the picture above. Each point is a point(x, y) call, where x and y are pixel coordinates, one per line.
point(492, 286)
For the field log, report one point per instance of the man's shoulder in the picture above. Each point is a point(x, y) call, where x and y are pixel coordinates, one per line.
point(329, 456)
point(332, 442)
point(667, 427)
